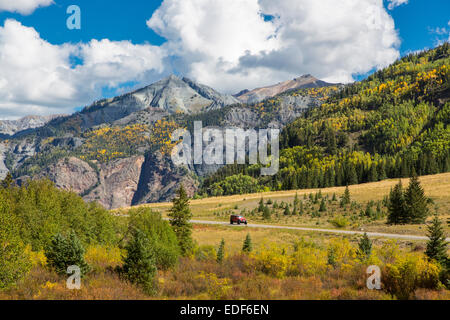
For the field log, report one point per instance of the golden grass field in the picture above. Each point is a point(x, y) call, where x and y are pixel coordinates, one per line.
point(437, 187)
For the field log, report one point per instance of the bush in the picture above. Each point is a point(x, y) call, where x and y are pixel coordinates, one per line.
point(272, 261)
point(205, 252)
point(339, 222)
point(100, 258)
point(162, 238)
point(410, 273)
point(64, 252)
point(140, 263)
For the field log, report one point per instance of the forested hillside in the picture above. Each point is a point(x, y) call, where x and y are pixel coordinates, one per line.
point(393, 124)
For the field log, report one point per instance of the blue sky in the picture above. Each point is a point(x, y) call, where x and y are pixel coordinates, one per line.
point(230, 45)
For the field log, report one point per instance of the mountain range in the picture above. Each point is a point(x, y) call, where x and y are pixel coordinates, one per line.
point(54, 146)
point(392, 124)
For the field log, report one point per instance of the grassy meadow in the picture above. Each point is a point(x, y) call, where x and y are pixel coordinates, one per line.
point(437, 187)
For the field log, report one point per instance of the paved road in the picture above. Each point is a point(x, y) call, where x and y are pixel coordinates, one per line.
point(371, 234)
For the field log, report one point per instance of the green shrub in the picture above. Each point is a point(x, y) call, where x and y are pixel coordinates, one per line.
point(64, 252)
point(164, 242)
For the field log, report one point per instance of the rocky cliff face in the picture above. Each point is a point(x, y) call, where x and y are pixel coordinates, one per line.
point(160, 179)
point(118, 182)
point(71, 174)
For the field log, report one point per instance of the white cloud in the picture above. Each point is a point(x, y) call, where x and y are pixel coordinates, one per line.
point(395, 3)
point(40, 78)
point(230, 46)
point(23, 6)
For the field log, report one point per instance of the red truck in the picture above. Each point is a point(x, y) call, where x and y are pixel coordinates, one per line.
point(237, 219)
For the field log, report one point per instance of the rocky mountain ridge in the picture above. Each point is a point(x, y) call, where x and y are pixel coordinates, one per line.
point(51, 150)
point(259, 94)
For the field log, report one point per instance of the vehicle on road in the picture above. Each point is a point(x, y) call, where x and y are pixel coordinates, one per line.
point(237, 219)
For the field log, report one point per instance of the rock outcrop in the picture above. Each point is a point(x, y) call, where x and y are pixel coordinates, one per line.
point(118, 182)
point(71, 174)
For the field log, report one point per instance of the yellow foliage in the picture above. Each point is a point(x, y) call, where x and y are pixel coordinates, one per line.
point(272, 260)
point(217, 288)
point(101, 257)
point(36, 258)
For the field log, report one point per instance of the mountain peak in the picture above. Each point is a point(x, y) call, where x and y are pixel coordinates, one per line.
point(259, 94)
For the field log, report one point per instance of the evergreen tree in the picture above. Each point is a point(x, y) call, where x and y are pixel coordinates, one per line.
point(437, 245)
point(373, 175)
point(221, 251)
point(323, 206)
point(266, 213)
point(248, 246)
point(287, 212)
point(180, 214)
point(261, 205)
point(396, 205)
point(382, 171)
point(365, 247)
point(346, 199)
point(64, 252)
point(416, 203)
point(140, 264)
point(352, 177)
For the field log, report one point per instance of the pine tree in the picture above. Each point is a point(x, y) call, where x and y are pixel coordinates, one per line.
point(180, 214)
point(221, 251)
point(396, 205)
point(437, 245)
point(266, 213)
point(64, 252)
point(382, 171)
point(373, 175)
point(261, 205)
point(287, 212)
point(140, 263)
point(352, 177)
point(346, 199)
point(323, 206)
point(416, 203)
point(365, 247)
point(248, 246)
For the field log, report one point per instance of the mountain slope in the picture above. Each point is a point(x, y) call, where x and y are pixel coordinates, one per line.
point(396, 123)
point(11, 127)
point(259, 94)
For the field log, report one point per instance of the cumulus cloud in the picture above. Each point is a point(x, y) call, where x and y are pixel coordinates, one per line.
point(395, 3)
point(38, 77)
point(23, 6)
point(237, 44)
